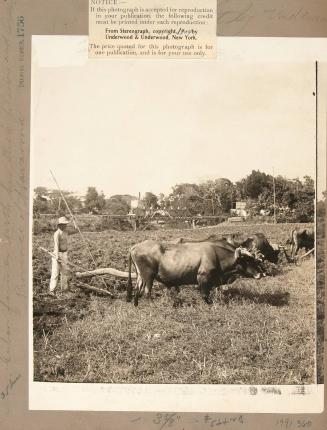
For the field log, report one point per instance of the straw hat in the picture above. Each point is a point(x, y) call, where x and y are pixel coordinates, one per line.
point(63, 220)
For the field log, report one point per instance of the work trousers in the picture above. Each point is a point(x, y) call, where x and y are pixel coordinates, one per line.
point(59, 269)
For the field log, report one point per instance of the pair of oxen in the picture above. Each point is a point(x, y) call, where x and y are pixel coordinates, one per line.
point(208, 262)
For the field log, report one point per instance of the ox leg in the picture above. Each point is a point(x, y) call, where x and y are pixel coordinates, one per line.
point(143, 284)
point(138, 290)
point(173, 292)
point(148, 287)
point(294, 245)
point(295, 250)
point(205, 283)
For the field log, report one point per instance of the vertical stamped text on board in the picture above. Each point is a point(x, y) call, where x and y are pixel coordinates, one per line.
point(20, 33)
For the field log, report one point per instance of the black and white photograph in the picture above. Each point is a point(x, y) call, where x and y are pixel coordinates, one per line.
point(176, 225)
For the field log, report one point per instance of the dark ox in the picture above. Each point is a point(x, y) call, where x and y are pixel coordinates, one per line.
point(301, 238)
point(258, 244)
point(203, 263)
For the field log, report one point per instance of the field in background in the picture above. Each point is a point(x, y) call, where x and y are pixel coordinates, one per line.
point(45, 223)
point(257, 332)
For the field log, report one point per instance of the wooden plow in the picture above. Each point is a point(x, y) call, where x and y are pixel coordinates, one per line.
point(104, 271)
point(283, 249)
point(87, 273)
point(297, 259)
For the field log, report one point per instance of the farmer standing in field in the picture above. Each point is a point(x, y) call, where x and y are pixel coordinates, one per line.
point(60, 259)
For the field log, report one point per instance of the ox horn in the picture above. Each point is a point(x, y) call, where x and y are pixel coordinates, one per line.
point(242, 251)
point(258, 256)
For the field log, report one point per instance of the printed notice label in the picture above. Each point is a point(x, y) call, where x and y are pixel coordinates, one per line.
point(152, 29)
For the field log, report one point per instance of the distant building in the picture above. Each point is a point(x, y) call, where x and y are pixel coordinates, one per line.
point(135, 203)
point(137, 208)
point(238, 209)
point(79, 196)
point(160, 213)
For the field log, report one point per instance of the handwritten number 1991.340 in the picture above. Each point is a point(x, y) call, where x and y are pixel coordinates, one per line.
point(289, 423)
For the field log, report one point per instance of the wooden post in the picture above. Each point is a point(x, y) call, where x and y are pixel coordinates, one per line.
point(274, 190)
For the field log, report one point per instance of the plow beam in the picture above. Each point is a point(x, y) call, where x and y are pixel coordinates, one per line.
point(105, 271)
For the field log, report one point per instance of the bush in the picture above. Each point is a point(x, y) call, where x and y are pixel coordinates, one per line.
point(109, 223)
point(43, 225)
point(85, 223)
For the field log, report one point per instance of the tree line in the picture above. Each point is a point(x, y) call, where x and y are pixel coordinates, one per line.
point(292, 199)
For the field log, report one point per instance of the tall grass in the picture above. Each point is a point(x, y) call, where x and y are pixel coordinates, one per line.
point(258, 332)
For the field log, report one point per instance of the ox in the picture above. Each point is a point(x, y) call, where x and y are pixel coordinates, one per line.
point(301, 238)
point(203, 263)
point(258, 243)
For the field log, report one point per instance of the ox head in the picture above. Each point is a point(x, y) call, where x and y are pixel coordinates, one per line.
point(247, 263)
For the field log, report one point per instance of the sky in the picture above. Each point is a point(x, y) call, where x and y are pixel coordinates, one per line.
point(129, 126)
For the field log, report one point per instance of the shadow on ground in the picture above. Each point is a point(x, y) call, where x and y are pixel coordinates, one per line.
point(277, 298)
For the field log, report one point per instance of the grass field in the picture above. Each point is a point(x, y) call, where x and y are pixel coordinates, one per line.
point(256, 332)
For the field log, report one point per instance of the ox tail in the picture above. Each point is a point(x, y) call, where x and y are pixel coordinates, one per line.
point(129, 280)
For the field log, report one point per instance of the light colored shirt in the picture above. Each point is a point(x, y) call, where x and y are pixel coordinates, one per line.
point(60, 242)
